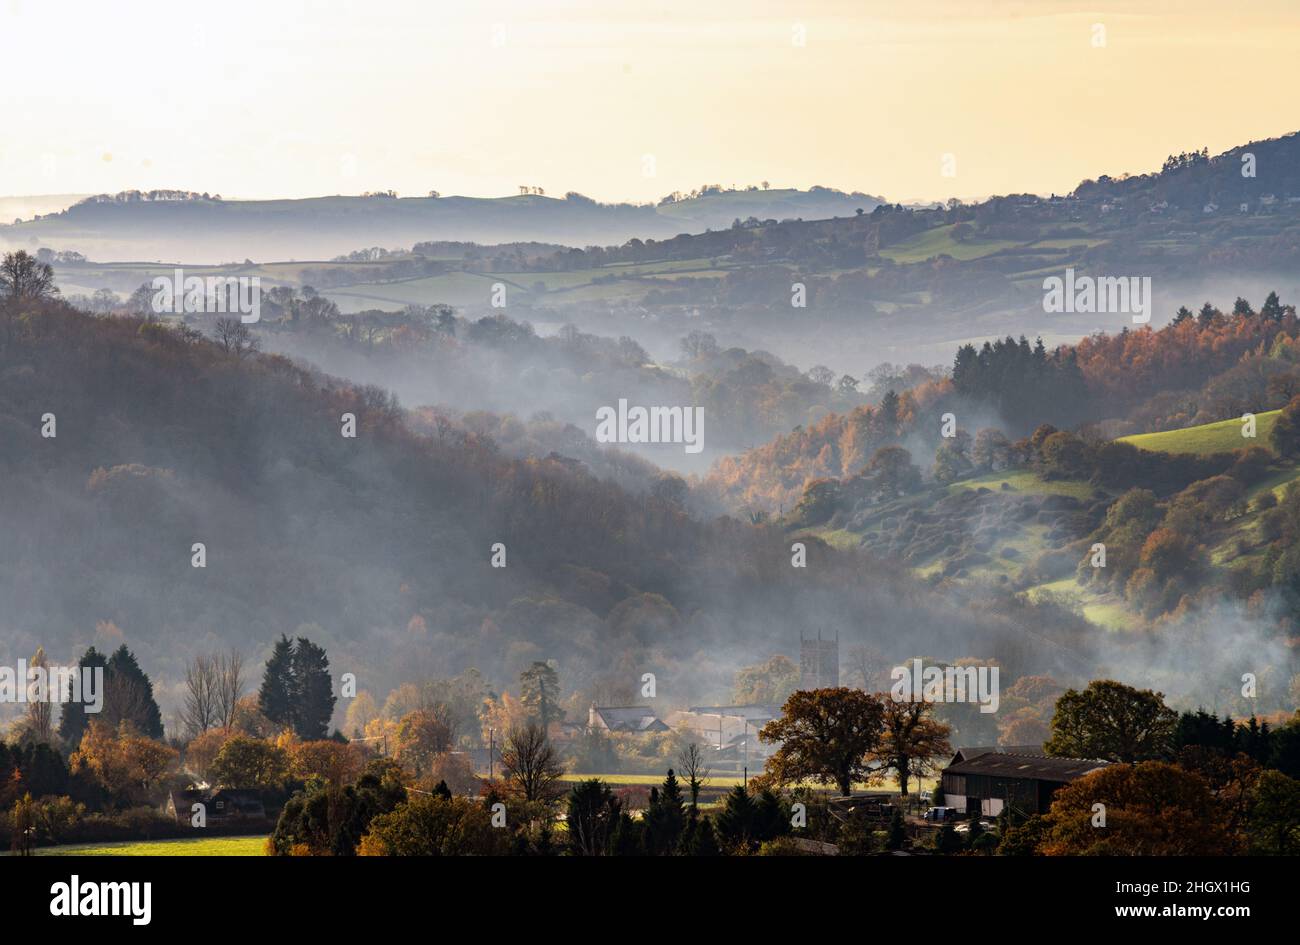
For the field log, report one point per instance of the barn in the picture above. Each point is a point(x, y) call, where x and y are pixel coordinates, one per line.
point(989, 780)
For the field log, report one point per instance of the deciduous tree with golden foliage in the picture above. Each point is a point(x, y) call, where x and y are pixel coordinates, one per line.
point(434, 826)
point(826, 736)
point(1112, 721)
point(913, 741)
point(1151, 809)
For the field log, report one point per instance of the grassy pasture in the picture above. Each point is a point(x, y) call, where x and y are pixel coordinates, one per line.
point(1220, 437)
point(207, 846)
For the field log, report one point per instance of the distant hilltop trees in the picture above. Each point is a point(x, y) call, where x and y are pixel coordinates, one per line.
point(54, 257)
point(714, 190)
point(149, 196)
point(1186, 159)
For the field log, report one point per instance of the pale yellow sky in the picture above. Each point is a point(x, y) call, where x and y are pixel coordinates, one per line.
point(295, 99)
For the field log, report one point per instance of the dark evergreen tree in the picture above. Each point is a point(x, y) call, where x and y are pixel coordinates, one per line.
point(771, 817)
point(665, 818)
point(897, 831)
point(313, 690)
point(627, 837)
point(889, 411)
point(128, 695)
point(72, 723)
point(1284, 749)
point(1254, 740)
point(593, 817)
point(1272, 308)
point(703, 841)
point(297, 690)
point(735, 822)
point(1200, 728)
point(276, 698)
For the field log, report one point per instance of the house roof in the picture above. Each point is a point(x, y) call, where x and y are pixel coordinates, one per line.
point(1031, 767)
point(966, 753)
point(630, 718)
point(239, 794)
point(750, 710)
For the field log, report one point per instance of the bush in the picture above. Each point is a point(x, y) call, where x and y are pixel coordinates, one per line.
point(434, 826)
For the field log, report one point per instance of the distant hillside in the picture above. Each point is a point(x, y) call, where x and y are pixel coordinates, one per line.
point(24, 208)
point(208, 229)
point(1247, 174)
point(382, 542)
point(1199, 549)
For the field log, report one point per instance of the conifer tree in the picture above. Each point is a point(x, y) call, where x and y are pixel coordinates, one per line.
point(276, 697)
point(72, 723)
point(313, 690)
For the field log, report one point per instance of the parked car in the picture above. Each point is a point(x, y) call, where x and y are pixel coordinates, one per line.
point(943, 815)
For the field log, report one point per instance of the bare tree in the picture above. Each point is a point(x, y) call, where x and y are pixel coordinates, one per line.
point(126, 700)
point(691, 764)
point(25, 279)
point(39, 723)
point(202, 688)
point(230, 686)
point(613, 689)
point(530, 761)
point(866, 666)
point(235, 337)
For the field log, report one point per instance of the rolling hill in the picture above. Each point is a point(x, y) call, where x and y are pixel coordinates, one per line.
point(378, 547)
point(1220, 437)
point(204, 229)
point(1019, 528)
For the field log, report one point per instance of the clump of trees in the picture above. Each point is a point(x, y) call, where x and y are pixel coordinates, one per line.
point(297, 690)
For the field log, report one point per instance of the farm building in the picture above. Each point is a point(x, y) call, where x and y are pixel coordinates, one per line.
point(991, 780)
point(968, 752)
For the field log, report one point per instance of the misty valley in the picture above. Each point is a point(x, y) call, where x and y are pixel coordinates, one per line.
point(953, 516)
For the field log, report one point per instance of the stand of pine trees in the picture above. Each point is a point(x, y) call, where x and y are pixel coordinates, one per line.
point(297, 690)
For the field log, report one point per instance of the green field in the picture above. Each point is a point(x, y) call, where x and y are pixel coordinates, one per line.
point(1025, 481)
point(939, 242)
point(650, 780)
point(1103, 610)
point(1221, 437)
point(215, 846)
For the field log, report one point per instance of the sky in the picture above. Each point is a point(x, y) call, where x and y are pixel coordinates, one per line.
point(630, 99)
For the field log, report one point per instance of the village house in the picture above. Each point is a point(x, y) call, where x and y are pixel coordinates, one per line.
point(636, 719)
point(721, 725)
point(729, 731)
point(220, 806)
point(988, 780)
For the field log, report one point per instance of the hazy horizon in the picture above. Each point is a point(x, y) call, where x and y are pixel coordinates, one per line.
point(299, 103)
